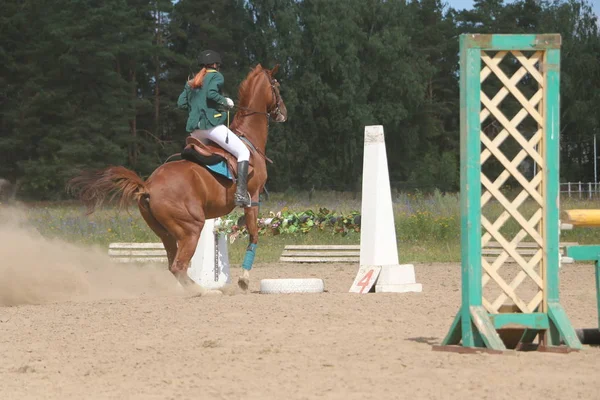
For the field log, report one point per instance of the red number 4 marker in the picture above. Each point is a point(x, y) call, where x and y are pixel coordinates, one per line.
point(365, 279)
point(364, 282)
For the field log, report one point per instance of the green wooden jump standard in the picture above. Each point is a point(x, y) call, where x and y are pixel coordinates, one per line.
point(481, 324)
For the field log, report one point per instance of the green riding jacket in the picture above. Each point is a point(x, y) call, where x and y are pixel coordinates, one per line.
point(206, 106)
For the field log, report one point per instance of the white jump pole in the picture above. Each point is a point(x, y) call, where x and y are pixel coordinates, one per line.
point(209, 266)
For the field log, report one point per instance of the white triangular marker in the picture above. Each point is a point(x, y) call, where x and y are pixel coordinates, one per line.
point(378, 246)
point(209, 266)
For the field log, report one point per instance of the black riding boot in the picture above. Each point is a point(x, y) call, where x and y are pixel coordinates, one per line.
point(242, 197)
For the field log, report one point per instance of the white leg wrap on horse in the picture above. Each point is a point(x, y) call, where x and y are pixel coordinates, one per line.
point(219, 134)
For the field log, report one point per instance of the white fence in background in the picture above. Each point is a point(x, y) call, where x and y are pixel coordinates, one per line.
point(581, 190)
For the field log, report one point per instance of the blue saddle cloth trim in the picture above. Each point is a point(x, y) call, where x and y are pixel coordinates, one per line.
point(220, 168)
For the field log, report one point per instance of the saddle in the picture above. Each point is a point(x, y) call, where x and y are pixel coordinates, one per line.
point(210, 154)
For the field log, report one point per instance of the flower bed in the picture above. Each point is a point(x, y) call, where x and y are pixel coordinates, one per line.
point(289, 222)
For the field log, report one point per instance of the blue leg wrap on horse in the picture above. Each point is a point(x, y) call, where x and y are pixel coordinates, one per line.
point(249, 257)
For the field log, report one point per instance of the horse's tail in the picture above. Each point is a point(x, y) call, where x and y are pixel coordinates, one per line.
point(92, 187)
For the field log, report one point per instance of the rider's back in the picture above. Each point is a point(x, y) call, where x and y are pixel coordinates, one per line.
point(205, 104)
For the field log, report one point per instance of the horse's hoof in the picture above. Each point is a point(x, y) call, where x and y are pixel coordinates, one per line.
point(243, 283)
point(194, 290)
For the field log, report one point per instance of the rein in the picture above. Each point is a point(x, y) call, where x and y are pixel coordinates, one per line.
point(251, 111)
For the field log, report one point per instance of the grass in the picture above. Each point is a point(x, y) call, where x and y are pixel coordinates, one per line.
point(427, 226)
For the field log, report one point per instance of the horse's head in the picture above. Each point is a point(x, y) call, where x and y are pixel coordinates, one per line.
point(259, 94)
point(277, 109)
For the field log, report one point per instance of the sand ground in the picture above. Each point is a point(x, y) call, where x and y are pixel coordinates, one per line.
point(127, 333)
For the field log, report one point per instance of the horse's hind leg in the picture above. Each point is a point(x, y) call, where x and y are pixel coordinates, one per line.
point(168, 240)
point(186, 246)
point(171, 248)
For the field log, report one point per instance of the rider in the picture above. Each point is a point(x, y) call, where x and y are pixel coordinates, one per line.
point(208, 111)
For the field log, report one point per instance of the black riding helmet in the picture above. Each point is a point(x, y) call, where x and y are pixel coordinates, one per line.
point(208, 57)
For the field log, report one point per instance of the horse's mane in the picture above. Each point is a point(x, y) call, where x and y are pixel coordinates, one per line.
point(245, 86)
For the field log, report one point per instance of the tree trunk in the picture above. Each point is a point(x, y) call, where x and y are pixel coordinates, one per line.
point(133, 149)
point(157, 75)
point(157, 102)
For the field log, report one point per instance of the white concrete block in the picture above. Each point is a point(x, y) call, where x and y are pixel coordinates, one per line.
point(209, 266)
point(397, 274)
point(411, 287)
point(398, 279)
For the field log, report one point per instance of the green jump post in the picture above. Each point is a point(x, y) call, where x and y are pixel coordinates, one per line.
point(473, 327)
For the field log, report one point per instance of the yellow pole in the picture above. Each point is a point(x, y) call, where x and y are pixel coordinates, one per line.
point(584, 218)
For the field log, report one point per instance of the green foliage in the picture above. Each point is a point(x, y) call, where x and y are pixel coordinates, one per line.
point(86, 84)
point(291, 222)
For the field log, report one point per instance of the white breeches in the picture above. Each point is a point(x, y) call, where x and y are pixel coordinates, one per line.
point(218, 135)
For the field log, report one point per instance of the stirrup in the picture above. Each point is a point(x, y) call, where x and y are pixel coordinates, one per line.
point(244, 202)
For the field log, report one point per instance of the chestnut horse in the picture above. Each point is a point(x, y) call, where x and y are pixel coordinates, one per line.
point(179, 196)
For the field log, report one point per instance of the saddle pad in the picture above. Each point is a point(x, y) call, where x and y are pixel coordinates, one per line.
point(221, 169)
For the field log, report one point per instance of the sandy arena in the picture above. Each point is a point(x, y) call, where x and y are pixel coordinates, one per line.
point(105, 342)
point(75, 326)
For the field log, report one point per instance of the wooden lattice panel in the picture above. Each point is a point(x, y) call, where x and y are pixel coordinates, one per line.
point(509, 137)
point(530, 147)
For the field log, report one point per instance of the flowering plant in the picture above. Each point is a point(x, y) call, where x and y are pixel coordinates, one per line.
point(289, 222)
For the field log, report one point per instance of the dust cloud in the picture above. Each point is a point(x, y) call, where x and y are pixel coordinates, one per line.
point(37, 270)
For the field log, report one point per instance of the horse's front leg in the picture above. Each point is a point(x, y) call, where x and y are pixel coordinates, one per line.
point(251, 214)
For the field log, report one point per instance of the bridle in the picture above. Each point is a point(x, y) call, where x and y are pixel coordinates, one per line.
point(268, 113)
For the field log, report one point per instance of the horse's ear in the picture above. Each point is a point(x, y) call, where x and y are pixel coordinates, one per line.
point(275, 69)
